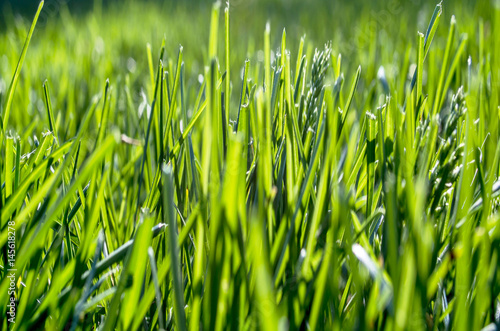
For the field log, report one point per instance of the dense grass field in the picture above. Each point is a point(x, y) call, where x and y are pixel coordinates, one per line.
point(292, 166)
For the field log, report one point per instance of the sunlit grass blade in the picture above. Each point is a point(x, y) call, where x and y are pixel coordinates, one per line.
point(17, 72)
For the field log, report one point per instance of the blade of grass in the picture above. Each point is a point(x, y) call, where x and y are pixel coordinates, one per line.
point(17, 72)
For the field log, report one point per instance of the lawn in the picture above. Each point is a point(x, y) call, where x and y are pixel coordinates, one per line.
point(270, 165)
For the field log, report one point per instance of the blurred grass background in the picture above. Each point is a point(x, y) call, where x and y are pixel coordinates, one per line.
point(95, 40)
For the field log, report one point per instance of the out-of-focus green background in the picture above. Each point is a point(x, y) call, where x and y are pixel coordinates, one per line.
point(77, 45)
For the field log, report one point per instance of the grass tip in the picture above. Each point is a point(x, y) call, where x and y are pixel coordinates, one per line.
point(371, 116)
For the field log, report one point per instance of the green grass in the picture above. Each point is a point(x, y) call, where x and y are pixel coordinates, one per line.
point(252, 180)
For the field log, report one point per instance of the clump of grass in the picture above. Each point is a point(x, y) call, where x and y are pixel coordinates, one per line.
point(293, 203)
